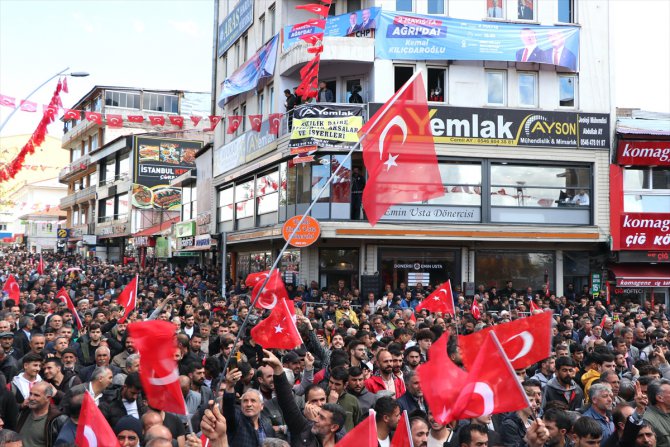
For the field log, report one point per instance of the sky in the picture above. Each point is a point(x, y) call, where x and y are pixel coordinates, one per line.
point(167, 44)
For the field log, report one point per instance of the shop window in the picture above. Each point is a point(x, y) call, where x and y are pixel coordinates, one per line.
point(496, 87)
point(646, 190)
point(303, 187)
point(576, 271)
point(225, 209)
point(320, 174)
point(404, 5)
point(495, 9)
point(425, 266)
point(122, 206)
point(267, 197)
point(540, 194)
point(253, 262)
point(244, 204)
point(402, 75)
point(289, 265)
point(340, 207)
point(528, 95)
point(494, 268)
point(338, 264)
point(566, 11)
point(435, 6)
point(437, 81)
point(283, 191)
point(567, 85)
point(526, 10)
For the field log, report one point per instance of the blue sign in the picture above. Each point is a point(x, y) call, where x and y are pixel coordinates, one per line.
point(354, 24)
point(261, 65)
point(237, 22)
point(405, 36)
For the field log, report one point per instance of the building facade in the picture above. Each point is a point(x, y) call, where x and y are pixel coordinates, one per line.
point(523, 148)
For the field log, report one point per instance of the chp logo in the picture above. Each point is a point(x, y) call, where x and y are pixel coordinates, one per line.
point(539, 125)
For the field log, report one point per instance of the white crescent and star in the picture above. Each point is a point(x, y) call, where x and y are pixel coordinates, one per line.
point(395, 121)
point(486, 393)
point(272, 304)
point(89, 434)
point(528, 341)
point(171, 377)
point(279, 329)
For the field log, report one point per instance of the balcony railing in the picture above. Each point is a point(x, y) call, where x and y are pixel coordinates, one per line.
point(79, 165)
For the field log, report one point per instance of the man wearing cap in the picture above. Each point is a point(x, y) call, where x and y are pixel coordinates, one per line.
point(7, 343)
point(9, 367)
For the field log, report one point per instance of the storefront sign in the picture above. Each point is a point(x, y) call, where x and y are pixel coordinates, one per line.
point(63, 233)
point(185, 242)
point(433, 213)
point(112, 230)
point(243, 149)
point(418, 266)
point(510, 127)
point(202, 242)
point(235, 24)
point(203, 223)
point(78, 231)
point(407, 36)
point(643, 256)
point(90, 239)
point(320, 125)
point(306, 235)
point(620, 291)
point(595, 284)
point(185, 229)
point(141, 241)
point(645, 231)
point(643, 153)
point(643, 282)
point(163, 249)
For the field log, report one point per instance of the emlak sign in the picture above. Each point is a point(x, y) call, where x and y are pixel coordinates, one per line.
point(643, 153)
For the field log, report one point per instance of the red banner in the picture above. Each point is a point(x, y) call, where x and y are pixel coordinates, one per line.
point(644, 231)
point(643, 153)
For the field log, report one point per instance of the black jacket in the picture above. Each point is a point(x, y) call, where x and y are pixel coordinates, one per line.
point(240, 429)
point(9, 409)
point(55, 421)
point(111, 406)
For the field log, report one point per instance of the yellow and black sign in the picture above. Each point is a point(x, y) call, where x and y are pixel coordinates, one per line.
point(320, 125)
point(63, 233)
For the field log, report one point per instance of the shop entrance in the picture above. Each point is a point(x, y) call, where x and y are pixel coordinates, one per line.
point(418, 265)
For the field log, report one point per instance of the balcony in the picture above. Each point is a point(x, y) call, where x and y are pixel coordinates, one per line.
point(79, 165)
point(81, 128)
point(67, 201)
point(335, 49)
point(85, 194)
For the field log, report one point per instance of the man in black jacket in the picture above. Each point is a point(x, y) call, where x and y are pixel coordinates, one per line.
point(328, 419)
point(40, 422)
point(124, 401)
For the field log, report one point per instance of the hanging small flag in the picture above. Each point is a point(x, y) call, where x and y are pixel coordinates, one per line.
point(94, 117)
point(214, 120)
point(115, 121)
point(135, 118)
point(275, 122)
point(234, 122)
point(256, 121)
point(176, 121)
point(71, 115)
point(28, 106)
point(7, 101)
point(66, 89)
point(195, 120)
point(157, 120)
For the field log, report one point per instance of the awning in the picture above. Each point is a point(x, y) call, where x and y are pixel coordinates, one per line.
point(641, 275)
point(158, 229)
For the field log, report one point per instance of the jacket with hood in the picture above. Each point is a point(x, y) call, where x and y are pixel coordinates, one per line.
point(571, 395)
point(20, 387)
point(588, 378)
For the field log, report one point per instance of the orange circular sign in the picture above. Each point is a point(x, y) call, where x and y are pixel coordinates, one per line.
point(306, 235)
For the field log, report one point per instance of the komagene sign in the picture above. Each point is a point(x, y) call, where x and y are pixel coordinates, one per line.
point(645, 231)
point(643, 153)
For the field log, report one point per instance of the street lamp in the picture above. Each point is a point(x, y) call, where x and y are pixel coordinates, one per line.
point(75, 74)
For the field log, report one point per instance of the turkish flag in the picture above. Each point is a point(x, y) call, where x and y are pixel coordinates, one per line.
point(312, 39)
point(278, 330)
point(115, 121)
point(214, 121)
point(65, 87)
point(63, 296)
point(275, 122)
point(315, 50)
point(526, 341)
point(195, 120)
point(7, 101)
point(309, 77)
point(40, 266)
point(12, 288)
point(256, 121)
point(94, 117)
point(327, 2)
point(234, 122)
point(403, 433)
point(71, 115)
point(308, 69)
point(442, 300)
point(128, 299)
point(156, 343)
point(135, 118)
point(157, 120)
point(273, 292)
point(320, 23)
point(255, 278)
point(474, 310)
point(441, 379)
point(533, 306)
point(399, 152)
point(320, 10)
point(50, 111)
point(176, 121)
point(362, 435)
point(93, 430)
point(28, 106)
point(491, 387)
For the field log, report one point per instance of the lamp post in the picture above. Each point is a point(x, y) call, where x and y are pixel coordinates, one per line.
point(75, 74)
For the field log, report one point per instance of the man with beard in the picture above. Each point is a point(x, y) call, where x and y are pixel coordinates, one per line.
point(196, 372)
point(558, 425)
point(39, 423)
point(562, 387)
point(125, 401)
point(413, 397)
point(119, 360)
point(387, 418)
point(386, 380)
point(52, 372)
point(337, 394)
point(356, 387)
point(115, 338)
point(88, 343)
point(454, 353)
point(358, 353)
point(515, 425)
point(412, 359)
point(271, 410)
point(419, 431)
point(69, 359)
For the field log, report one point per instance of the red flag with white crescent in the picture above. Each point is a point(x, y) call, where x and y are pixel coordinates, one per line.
point(275, 122)
point(63, 296)
point(40, 266)
point(278, 330)
point(128, 299)
point(255, 121)
point(93, 430)
point(441, 300)
point(12, 288)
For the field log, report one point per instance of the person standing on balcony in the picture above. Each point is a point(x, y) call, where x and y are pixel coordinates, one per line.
point(325, 94)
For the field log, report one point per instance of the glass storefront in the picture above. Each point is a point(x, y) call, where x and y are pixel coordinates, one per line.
point(253, 262)
point(416, 265)
point(289, 265)
point(493, 268)
point(336, 264)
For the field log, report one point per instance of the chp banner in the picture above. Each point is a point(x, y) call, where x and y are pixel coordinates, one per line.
point(353, 24)
point(510, 127)
point(157, 161)
point(325, 125)
point(405, 36)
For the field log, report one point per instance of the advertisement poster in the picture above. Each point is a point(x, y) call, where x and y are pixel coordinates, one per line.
point(510, 127)
point(260, 65)
point(354, 24)
point(321, 125)
point(234, 25)
point(406, 36)
point(157, 161)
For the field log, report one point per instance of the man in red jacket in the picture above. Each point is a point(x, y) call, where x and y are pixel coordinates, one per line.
point(385, 380)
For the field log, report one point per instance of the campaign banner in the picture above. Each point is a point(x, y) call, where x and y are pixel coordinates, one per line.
point(645, 231)
point(643, 153)
point(512, 127)
point(325, 125)
point(406, 36)
point(246, 77)
point(234, 25)
point(353, 24)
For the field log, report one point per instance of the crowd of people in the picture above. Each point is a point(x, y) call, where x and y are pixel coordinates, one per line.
point(607, 381)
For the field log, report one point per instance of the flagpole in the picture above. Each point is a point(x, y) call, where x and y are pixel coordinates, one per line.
point(284, 248)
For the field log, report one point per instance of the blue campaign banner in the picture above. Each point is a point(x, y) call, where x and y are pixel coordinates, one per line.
point(237, 22)
point(406, 36)
point(356, 23)
point(261, 65)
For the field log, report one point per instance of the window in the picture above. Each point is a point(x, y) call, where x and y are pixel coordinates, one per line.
point(238, 54)
point(244, 199)
point(352, 85)
point(566, 11)
point(124, 167)
point(354, 5)
point(526, 10)
point(189, 203)
point(567, 85)
point(495, 9)
point(646, 190)
point(267, 197)
point(243, 111)
point(403, 5)
point(271, 18)
point(261, 25)
point(528, 96)
point(97, 104)
point(122, 99)
point(320, 174)
point(121, 206)
point(94, 142)
point(332, 8)
point(436, 84)
point(245, 47)
point(402, 75)
point(462, 184)
point(224, 66)
point(75, 216)
point(93, 179)
point(271, 104)
point(236, 113)
point(496, 81)
point(161, 103)
point(495, 267)
point(225, 206)
point(110, 171)
point(435, 6)
point(261, 104)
